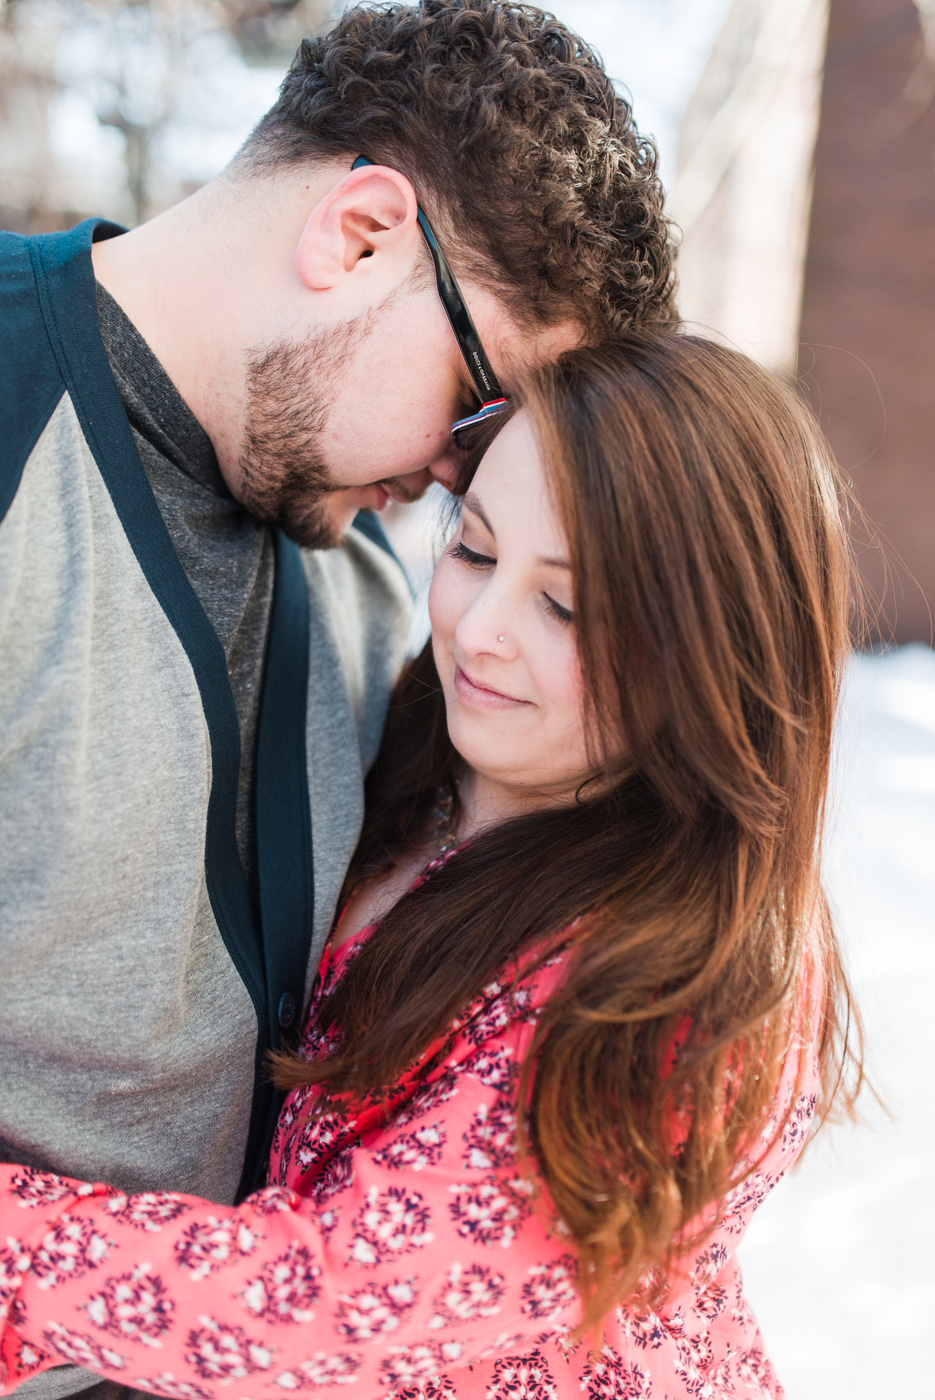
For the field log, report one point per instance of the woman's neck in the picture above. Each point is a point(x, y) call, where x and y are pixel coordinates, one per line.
point(485, 803)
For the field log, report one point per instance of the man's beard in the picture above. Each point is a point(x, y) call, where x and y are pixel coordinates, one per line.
point(284, 479)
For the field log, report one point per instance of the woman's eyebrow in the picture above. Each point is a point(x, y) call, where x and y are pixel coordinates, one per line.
point(472, 501)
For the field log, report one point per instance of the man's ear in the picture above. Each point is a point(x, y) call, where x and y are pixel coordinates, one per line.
point(371, 211)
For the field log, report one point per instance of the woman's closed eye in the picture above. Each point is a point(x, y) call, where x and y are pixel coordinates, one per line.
point(471, 556)
point(476, 560)
point(561, 614)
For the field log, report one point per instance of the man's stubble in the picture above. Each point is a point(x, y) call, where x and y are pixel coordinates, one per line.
point(284, 479)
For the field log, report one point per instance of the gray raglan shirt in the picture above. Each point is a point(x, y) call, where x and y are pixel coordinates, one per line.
point(132, 1003)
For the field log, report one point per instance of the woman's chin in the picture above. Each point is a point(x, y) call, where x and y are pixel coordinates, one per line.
point(486, 748)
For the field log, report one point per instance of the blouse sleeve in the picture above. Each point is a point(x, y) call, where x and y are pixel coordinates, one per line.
point(424, 1251)
point(421, 1252)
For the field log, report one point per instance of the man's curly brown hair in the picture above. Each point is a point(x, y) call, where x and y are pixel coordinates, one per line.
point(514, 139)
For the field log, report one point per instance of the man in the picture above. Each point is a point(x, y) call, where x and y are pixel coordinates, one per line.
point(188, 701)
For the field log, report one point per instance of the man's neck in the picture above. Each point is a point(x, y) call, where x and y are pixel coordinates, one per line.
point(204, 284)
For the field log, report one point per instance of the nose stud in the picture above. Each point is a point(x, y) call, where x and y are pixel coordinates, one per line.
point(501, 639)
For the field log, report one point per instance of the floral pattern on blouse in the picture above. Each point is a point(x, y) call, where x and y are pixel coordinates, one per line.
point(397, 1252)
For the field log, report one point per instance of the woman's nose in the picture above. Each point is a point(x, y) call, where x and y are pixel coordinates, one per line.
point(487, 627)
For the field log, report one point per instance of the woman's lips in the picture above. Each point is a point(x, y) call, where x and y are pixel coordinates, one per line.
point(482, 697)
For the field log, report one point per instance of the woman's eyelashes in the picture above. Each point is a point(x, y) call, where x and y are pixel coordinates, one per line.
point(471, 556)
point(562, 614)
point(476, 560)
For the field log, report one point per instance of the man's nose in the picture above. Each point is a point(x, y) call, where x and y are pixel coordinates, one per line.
point(411, 486)
point(447, 468)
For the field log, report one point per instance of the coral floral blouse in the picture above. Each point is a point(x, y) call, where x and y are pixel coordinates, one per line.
point(397, 1252)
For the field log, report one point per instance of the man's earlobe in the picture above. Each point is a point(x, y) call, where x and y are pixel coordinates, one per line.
point(372, 210)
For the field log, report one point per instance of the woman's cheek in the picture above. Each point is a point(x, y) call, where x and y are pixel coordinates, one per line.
point(449, 598)
point(567, 689)
point(564, 669)
point(439, 600)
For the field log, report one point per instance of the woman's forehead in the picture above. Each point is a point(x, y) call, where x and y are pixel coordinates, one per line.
point(510, 493)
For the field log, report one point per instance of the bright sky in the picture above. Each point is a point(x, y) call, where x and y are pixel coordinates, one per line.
point(654, 48)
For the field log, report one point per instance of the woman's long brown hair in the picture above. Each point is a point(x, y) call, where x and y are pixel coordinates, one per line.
point(711, 583)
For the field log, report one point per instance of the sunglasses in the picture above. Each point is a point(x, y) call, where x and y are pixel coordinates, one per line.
point(492, 398)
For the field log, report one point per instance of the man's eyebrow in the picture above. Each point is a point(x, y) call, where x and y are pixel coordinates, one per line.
point(472, 501)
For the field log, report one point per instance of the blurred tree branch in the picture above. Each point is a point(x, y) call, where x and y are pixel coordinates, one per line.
point(132, 59)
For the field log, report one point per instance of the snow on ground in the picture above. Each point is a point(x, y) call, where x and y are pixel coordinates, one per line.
point(838, 1261)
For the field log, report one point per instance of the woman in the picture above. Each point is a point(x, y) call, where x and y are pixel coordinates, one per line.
point(587, 887)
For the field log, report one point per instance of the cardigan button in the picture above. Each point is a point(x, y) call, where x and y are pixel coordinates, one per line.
point(286, 1011)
